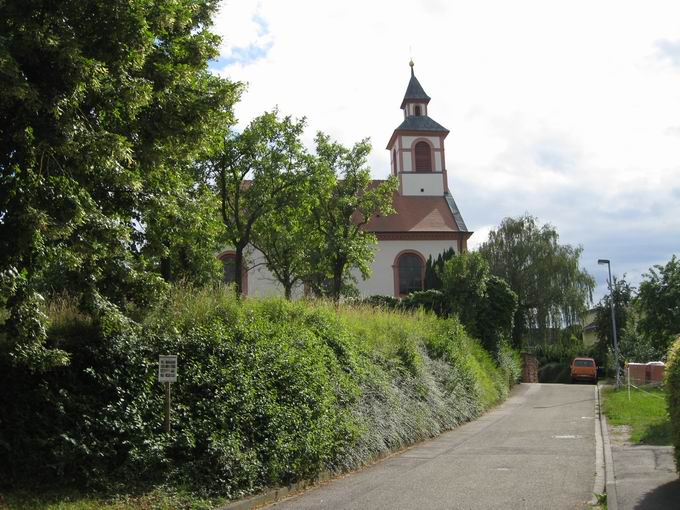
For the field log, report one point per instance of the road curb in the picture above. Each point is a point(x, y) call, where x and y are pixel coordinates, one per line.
point(610, 478)
point(600, 470)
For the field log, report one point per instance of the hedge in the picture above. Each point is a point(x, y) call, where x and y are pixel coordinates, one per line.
point(673, 395)
point(269, 392)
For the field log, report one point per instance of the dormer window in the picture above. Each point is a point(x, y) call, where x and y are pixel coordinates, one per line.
point(418, 111)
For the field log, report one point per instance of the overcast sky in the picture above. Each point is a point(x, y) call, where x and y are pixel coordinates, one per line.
point(568, 110)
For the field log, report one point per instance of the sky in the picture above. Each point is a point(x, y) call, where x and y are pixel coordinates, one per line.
point(566, 110)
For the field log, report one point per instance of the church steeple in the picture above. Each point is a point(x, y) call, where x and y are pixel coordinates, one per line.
point(417, 146)
point(414, 91)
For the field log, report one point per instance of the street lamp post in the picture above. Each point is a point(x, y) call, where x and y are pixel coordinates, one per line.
point(611, 305)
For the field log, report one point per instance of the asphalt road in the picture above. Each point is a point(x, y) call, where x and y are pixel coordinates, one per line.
point(536, 451)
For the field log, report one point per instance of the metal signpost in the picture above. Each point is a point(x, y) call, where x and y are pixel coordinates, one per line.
point(167, 373)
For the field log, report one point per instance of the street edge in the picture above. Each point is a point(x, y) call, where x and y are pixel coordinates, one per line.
point(600, 470)
point(610, 478)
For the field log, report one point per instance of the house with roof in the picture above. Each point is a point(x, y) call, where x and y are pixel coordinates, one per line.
point(426, 221)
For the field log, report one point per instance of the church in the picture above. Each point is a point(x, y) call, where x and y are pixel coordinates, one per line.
point(426, 221)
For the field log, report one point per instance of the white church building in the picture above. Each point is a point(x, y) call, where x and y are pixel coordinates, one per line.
point(426, 221)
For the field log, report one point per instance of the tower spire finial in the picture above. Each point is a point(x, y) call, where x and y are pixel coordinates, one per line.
point(410, 63)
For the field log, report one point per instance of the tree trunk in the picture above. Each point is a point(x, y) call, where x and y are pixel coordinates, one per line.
point(238, 270)
point(288, 288)
point(337, 281)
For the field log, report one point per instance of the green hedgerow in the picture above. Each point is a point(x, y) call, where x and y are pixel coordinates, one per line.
point(673, 395)
point(269, 392)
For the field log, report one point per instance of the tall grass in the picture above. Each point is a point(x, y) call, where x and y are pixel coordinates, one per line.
point(269, 392)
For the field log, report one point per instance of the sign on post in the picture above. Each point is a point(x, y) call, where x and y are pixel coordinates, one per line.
point(167, 373)
point(167, 368)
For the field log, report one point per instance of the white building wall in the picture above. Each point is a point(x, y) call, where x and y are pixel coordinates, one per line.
point(432, 184)
point(406, 158)
point(407, 141)
point(381, 280)
point(261, 282)
point(437, 161)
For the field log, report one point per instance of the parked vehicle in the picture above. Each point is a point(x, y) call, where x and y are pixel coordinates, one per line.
point(584, 369)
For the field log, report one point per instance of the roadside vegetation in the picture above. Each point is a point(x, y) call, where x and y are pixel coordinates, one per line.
point(646, 413)
point(673, 396)
point(269, 392)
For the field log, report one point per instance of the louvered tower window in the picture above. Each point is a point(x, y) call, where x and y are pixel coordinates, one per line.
point(423, 157)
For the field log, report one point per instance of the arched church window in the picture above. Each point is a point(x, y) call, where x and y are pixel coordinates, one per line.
point(394, 161)
point(423, 157)
point(418, 111)
point(229, 268)
point(410, 272)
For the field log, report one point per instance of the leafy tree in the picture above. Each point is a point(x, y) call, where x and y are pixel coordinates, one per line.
point(624, 295)
point(659, 303)
point(105, 106)
point(496, 314)
point(257, 172)
point(464, 281)
point(282, 237)
point(552, 289)
point(635, 346)
point(433, 267)
point(346, 199)
point(484, 303)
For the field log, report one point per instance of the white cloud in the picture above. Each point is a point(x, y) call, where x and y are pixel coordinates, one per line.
point(566, 109)
point(480, 236)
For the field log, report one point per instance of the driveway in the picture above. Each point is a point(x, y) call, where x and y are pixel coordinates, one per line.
point(536, 451)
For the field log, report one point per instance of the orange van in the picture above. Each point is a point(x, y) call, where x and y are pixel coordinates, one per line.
point(583, 369)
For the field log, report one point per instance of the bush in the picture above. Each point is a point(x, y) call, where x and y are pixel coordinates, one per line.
point(269, 392)
point(673, 395)
point(430, 300)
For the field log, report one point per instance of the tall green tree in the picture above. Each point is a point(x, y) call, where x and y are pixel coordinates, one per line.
point(464, 279)
point(346, 199)
point(624, 294)
point(659, 304)
point(257, 172)
point(283, 236)
point(552, 289)
point(434, 267)
point(105, 105)
point(484, 303)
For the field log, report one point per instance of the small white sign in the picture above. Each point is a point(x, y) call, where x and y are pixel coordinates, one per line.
point(167, 368)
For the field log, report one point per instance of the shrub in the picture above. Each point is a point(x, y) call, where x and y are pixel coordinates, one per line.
point(268, 392)
point(673, 395)
point(431, 300)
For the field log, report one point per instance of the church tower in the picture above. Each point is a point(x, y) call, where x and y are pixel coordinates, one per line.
point(417, 146)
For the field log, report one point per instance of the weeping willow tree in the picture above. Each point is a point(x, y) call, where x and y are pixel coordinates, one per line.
point(552, 289)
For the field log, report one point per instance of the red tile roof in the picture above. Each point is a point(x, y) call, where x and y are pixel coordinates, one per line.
point(416, 214)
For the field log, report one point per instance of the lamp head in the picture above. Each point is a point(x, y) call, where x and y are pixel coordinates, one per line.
point(603, 261)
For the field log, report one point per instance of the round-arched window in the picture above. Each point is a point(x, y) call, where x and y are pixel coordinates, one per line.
point(229, 267)
point(423, 157)
point(410, 271)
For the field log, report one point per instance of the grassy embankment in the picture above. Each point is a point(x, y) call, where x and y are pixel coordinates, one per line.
point(269, 393)
point(646, 413)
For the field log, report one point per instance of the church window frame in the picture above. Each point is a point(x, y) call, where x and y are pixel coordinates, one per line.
point(423, 162)
point(401, 273)
point(230, 255)
point(418, 111)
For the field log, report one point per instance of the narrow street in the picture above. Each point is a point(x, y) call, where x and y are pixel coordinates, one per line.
point(536, 451)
